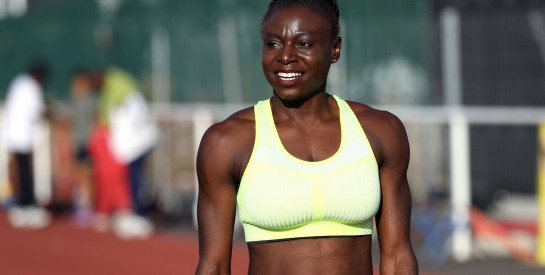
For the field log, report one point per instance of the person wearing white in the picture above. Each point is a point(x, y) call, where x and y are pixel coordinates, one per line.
point(24, 108)
point(132, 119)
point(132, 135)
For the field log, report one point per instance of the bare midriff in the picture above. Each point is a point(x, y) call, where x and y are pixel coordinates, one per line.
point(329, 255)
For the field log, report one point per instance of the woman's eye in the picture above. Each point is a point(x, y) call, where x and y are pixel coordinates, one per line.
point(272, 44)
point(304, 44)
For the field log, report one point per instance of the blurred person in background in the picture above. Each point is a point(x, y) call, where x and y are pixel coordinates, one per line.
point(24, 109)
point(84, 111)
point(131, 134)
point(308, 170)
point(113, 204)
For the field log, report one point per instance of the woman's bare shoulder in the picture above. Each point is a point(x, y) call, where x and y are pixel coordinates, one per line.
point(372, 117)
point(239, 125)
point(383, 129)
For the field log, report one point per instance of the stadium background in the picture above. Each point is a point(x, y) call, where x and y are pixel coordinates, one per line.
point(207, 53)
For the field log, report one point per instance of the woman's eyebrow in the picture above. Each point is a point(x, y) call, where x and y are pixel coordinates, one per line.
point(269, 34)
point(275, 35)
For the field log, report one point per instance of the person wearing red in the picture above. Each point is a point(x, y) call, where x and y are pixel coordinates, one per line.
point(110, 177)
point(113, 155)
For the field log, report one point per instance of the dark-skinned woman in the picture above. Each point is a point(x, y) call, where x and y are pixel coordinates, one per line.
point(308, 170)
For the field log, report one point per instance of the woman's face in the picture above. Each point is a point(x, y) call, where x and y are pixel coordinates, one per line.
point(298, 49)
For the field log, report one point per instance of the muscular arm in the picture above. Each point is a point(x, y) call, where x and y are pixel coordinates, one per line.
point(393, 219)
point(216, 203)
point(222, 157)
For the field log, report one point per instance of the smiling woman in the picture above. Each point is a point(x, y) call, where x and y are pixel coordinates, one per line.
point(308, 170)
point(299, 46)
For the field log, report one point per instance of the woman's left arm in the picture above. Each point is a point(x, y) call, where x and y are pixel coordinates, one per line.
point(393, 219)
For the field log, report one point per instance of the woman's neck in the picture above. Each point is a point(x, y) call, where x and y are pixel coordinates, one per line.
point(318, 107)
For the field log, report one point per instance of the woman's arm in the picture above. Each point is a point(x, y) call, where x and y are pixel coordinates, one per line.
point(393, 220)
point(216, 201)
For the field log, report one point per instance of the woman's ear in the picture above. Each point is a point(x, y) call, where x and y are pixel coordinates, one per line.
point(336, 49)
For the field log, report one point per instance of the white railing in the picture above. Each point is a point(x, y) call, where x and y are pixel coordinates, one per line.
point(201, 116)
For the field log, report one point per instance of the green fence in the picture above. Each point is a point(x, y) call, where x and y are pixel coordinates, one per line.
point(209, 51)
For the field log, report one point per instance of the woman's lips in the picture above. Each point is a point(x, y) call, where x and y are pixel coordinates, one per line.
point(288, 78)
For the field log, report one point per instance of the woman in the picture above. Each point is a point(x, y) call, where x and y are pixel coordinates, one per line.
point(308, 170)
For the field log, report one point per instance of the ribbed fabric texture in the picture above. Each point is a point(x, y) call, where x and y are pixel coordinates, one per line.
point(283, 197)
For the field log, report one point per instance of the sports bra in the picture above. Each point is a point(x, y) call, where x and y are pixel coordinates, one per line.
point(281, 197)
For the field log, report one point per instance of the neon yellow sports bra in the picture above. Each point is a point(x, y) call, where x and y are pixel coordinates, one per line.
point(282, 197)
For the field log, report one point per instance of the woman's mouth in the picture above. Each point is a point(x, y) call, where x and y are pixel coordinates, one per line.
point(288, 76)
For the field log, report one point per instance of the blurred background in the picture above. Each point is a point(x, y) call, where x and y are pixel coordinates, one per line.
point(467, 77)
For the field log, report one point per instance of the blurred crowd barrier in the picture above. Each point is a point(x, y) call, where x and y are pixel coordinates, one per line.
point(439, 138)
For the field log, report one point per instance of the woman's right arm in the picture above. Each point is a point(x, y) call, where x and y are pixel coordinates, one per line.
point(216, 201)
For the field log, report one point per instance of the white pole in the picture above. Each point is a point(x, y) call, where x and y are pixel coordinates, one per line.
point(450, 43)
point(3, 9)
point(202, 119)
point(161, 93)
point(17, 8)
point(230, 66)
point(460, 179)
point(460, 185)
point(160, 65)
point(43, 186)
point(537, 26)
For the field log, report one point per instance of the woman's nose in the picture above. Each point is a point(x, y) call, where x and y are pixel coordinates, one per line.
point(287, 55)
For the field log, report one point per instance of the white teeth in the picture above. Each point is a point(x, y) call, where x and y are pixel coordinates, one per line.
point(288, 76)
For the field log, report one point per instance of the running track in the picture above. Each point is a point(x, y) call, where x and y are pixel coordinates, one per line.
point(65, 249)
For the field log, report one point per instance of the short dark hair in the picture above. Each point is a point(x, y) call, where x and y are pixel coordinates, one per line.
point(79, 71)
point(39, 69)
point(327, 8)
